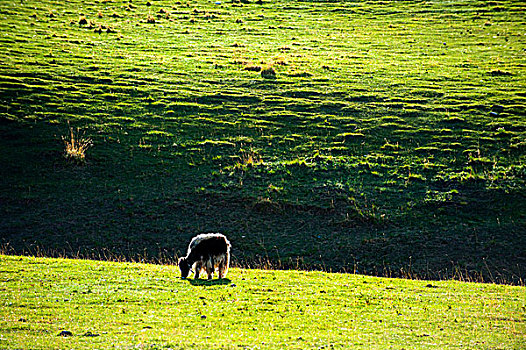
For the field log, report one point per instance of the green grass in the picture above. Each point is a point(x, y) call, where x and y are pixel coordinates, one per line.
point(130, 306)
point(392, 138)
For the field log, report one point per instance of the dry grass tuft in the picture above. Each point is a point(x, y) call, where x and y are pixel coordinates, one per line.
point(280, 61)
point(249, 159)
point(76, 146)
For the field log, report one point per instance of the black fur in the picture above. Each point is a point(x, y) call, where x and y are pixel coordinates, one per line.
point(206, 251)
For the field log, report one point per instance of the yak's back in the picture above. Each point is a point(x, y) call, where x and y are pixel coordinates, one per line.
point(209, 244)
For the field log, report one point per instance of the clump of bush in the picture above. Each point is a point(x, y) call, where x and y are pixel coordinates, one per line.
point(252, 68)
point(268, 72)
point(300, 74)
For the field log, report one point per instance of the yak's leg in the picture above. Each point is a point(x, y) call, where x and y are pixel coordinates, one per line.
point(221, 267)
point(210, 268)
point(221, 270)
point(226, 263)
point(198, 267)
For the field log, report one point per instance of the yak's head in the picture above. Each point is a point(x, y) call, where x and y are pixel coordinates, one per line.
point(184, 267)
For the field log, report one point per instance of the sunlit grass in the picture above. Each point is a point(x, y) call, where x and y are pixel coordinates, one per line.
point(107, 305)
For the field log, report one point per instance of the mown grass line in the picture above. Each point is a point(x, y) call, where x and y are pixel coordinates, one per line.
point(129, 305)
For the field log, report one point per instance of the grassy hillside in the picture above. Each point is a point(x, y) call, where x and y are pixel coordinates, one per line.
point(137, 306)
point(390, 141)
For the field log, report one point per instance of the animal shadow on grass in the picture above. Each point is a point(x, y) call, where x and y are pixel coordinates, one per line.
point(213, 282)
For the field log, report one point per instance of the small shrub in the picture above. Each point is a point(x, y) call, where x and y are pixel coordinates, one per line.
point(83, 20)
point(268, 72)
point(252, 68)
point(296, 74)
point(150, 19)
point(76, 146)
point(500, 73)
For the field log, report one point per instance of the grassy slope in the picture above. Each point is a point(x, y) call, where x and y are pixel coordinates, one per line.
point(148, 306)
point(393, 137)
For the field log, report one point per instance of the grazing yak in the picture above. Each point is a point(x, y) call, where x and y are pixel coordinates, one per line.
point(208, 251)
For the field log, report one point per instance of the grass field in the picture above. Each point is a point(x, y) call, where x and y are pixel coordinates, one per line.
point(390, 141)
point(137, 306)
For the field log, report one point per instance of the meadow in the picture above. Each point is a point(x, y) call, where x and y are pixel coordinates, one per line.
point(378, 137)
point(76, 304)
